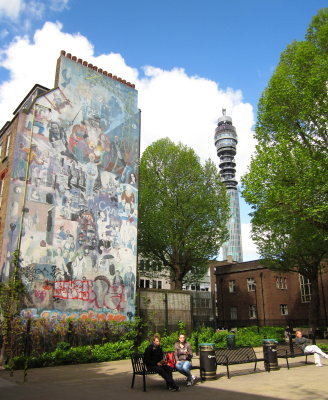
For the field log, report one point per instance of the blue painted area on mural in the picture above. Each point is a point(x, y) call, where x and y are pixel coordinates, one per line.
point(80, 144)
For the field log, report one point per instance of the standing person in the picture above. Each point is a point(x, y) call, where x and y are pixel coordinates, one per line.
point(183, 356)
point(308, 348)
point(154, 360)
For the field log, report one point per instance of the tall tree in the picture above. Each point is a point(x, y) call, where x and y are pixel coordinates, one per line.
point(183, 211)
point(287, 180)
point(293, 109)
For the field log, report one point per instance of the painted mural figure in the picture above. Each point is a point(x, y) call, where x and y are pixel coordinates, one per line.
point(77, 144)
point(91, 171)
point(129, 283)
point(57, 137)
point(19, 169)
point(62, 272)
point(119, 160)
point(80, 221)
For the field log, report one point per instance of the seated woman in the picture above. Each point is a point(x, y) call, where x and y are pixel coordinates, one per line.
point(183, 356)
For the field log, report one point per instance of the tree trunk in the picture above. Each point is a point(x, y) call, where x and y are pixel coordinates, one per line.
point(314, 305)
point(176, 283)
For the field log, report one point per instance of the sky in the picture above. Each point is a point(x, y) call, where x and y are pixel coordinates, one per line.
point(187, 58)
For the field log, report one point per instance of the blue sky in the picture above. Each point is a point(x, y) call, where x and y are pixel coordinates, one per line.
point(188, 59)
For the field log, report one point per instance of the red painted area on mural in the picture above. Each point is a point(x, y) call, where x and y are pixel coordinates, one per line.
point(73, 290)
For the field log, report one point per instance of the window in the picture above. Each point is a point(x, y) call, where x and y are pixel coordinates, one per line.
point(252, 311)
point(283, 309)
point(154, 284)
point(305, 286)
point(7, 146)
point(232, 286)
point(251, 284)
point(281, 282)
point(233, 313)
point(144, 283)
point(1, 190)
point(159, 284)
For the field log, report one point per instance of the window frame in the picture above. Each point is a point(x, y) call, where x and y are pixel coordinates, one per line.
point(232, 286)
point(252, 311)
point(251, 284)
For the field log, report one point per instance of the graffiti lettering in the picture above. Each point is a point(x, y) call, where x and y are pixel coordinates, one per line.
point(73, 290)
point(40, 294)
point(110, 210)
point(90, 315)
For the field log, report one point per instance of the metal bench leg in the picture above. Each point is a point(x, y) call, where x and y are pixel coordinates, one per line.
point(132, 384)
point(228, 371)
point(255, 366)
point(287, 362)
point(144, 382)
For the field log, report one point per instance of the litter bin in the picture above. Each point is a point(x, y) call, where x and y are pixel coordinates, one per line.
point(270, 354)
point(207, 361)
point(231, 341)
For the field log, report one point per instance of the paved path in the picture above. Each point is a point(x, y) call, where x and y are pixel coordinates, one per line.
point(112, 380)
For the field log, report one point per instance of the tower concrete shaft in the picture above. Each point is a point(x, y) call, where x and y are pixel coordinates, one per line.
point(225, 142)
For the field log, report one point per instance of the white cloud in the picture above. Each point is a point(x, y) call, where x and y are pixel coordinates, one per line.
point(184, 108)
point(58, 5)
point(10, 8)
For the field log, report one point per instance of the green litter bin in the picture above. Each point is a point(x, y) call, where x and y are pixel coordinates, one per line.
point(231, 341)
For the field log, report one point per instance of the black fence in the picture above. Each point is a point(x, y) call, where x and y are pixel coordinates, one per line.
point(36, 336)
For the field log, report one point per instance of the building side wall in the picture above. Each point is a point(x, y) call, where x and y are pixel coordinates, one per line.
point(80, 144)
point(273, 292)
point(5, 173)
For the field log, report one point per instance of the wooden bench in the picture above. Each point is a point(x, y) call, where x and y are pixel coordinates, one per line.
point(238, 355)
point(140, 368)
point(290, 350)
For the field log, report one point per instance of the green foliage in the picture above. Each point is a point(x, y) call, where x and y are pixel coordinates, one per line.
point(323, 347)
point(64, 354)
point(122, 349)
point(181, 327)
point(287, 183)
point(12, 294)
point(63, 346)
point(252, 336)
point(183, 211)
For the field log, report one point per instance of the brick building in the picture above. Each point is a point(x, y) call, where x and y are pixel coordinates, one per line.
point(69, 194)
point(250, 294)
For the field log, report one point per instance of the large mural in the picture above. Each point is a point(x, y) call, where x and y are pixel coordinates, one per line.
point(75, 176)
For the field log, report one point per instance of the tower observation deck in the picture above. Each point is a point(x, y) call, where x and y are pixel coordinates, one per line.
point(225, 142)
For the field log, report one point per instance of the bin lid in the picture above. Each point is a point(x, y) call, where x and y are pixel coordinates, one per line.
point(269, 341)
point(207, 344)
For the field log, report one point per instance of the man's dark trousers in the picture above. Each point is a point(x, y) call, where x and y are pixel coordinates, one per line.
point(165, 372)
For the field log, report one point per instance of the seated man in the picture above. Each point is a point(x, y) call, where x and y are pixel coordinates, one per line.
point(154, 360)
point(305, 345)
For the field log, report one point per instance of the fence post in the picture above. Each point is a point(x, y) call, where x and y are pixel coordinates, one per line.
point(166, 312)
